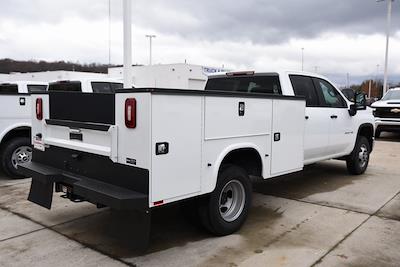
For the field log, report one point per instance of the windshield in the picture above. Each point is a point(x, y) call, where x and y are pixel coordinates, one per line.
point(392, 95)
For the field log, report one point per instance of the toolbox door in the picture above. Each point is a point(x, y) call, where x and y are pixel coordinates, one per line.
point(287, 136)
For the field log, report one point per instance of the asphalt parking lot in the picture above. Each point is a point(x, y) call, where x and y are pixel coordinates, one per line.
point(320, 217)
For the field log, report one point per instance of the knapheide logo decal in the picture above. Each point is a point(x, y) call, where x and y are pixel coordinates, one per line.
point(396, 110)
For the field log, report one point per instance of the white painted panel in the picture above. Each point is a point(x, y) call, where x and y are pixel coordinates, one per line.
point(223, 120)
point(178, 121)
point(134, 143)
point(96, 142)
point(214, 152)
point(288, 152)
point(11, 108)
point(316, 135)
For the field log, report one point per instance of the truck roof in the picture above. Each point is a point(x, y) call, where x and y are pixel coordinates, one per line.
point(83, 80)
point(257, 73)
point(253, 72)
point(25, 82)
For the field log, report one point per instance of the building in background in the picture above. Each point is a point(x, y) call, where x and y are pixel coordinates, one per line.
point(170, 76)
point(173, 76)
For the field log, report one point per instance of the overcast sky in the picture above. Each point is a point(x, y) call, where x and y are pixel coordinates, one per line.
point(338, 36)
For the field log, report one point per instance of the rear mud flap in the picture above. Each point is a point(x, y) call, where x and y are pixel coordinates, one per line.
point(41, 193)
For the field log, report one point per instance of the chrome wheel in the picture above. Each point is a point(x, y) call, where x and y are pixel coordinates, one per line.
point(232, 200)
point(363, 156)
point(21, 155)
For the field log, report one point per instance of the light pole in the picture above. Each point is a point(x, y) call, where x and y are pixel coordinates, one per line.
point(389, 21)
point(109, 32)
point(302, 59)
point(151, 48)
point(127, 7)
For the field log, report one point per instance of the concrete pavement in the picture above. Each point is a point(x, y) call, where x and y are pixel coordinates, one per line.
point(320, 217)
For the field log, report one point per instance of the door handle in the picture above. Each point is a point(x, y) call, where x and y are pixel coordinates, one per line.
point(307, 117)
point(334, 117)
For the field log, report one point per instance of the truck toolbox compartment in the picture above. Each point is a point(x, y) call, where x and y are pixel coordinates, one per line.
point(98, 192)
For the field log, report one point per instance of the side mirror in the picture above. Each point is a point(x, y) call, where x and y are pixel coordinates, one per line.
point(353, 110)
point(360, 100)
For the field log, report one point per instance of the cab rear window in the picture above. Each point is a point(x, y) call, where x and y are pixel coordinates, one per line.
point(106, 87)
point(65, 87)
point(8, 89)
point(34, 88)
point(249, 84)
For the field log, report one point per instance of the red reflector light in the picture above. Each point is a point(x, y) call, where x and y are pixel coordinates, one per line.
point(39, 109)
point(130, 113)
point(158, 203)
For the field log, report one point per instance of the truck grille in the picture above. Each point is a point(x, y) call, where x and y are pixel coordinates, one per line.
point(387, 113)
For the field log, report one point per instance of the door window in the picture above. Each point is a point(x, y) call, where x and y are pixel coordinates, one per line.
point(330, 96)
point(303, 86)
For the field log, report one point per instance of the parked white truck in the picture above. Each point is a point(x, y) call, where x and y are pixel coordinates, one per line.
point(15, 124)
point(387, 112)
point(143, 148)
point(15, 116)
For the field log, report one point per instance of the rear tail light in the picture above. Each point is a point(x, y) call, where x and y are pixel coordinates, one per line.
point(130, 113)
point(39, 109)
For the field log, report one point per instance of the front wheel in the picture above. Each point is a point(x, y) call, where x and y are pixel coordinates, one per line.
point(225, 210)
point(358, 160)
point(16, 151)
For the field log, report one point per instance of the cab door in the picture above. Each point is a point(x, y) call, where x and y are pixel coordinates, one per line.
point(341, 132)
point(317, 121)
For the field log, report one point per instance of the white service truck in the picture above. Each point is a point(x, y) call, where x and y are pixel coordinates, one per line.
point(143, 148)
point(15, 124)
point(15, 115)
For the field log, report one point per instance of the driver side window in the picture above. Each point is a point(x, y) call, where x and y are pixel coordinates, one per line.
point(329, 94)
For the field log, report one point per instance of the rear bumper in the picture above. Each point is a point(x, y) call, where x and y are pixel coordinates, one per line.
point(45, 178)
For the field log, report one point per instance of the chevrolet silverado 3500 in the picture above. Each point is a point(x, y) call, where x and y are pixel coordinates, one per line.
point(143, 148)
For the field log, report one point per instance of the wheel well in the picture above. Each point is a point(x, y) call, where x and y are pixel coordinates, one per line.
point(367, 130)
point(247, 158)
point(18, 132)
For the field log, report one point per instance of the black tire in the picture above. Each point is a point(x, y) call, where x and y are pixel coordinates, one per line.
point(230, 177)
point(357, 163)
point(378, 134)
point(7, 154)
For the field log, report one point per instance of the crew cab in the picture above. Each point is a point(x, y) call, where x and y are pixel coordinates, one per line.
point(15, 116)
point(15, 122)
point(387, 112)
point(138, 149)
